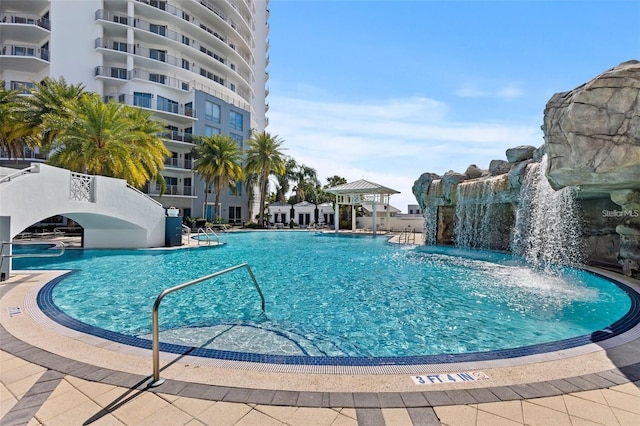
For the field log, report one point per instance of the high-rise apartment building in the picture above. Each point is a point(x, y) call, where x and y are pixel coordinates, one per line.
point(199, 65)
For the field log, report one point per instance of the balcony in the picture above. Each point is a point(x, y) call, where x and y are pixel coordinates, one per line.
point(24, 50)
point(159, 78)
point(22, 19)
point(178, 163)
point(157, 105)
point(178, 137)
point(170, 190)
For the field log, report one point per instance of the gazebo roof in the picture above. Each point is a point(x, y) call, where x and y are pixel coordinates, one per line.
point(361, 187)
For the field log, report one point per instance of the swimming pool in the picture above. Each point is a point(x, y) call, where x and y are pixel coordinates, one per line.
point(335, 300)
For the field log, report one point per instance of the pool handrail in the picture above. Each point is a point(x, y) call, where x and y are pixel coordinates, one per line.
point(207, 233)
point(157, 380)
point(58, 244)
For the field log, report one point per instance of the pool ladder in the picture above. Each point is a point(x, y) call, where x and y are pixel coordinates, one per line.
point(157, 380)
point(407, 236)
point(209, 235)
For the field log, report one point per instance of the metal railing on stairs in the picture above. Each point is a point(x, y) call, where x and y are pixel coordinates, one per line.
point(407, 236)
point(157, 380)
point(209, 235)
point(186, 231)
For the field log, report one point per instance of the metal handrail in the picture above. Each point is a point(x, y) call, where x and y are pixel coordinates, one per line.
point(206, 234)
point(187, 230)
point(59, 244)
point(18, 173)
point(406, 233)
point(157, 381)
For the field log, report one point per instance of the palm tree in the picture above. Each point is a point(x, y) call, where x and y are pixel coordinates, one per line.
point(12, 134)
point(264, 157)
point(109, 139)
point(284, 180)
point(219, 162)
point(48, 98)
point(251, 180)
point(307, 183)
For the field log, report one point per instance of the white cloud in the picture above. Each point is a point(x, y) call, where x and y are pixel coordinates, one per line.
point(510, 91)
point(392, 142)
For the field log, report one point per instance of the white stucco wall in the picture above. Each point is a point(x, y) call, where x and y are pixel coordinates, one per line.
point(119, 216)
point(396, 223)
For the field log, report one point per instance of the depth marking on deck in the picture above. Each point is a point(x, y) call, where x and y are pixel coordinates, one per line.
point(14, 310)
point(435, 379)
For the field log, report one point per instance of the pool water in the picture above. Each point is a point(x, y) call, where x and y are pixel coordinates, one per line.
point(334, 296)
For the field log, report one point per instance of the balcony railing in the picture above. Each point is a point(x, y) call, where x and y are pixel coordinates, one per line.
point(19, 18)
point(159, 78)
point(22, 87)
point(170, 34)
point(178, 137)
point(170, 190)
point(178, 163)
point(152, 103)
point(27, 154)
point(171, 162)
point(24, 50)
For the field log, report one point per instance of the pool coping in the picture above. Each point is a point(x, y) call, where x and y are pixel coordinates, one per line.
point(481, 392)
point(384, 364)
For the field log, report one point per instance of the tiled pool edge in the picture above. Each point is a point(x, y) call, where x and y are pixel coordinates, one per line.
point(46, 312)
point(315, 399)
point(82, 370)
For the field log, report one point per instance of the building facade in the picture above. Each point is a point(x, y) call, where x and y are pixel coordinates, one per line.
point(199, 65)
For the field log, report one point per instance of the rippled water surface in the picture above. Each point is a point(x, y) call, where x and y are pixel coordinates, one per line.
point(334, 295)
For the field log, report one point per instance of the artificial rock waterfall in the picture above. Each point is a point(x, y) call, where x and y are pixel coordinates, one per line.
point(576, 198)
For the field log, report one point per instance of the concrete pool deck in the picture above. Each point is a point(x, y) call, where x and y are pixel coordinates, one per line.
point(53, 375)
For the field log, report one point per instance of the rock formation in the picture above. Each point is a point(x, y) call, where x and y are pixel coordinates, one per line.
point(592, 138)
point(592, 143)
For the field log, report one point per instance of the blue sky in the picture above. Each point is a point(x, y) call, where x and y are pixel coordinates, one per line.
point(388, 90)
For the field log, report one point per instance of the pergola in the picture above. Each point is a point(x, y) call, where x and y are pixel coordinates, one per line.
point(358, 193)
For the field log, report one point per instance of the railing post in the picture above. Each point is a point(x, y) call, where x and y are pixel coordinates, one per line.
point(155, 333)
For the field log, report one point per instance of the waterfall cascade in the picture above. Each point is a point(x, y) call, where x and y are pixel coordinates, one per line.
point(430, 225)
point(547, 227)
point(534, 221)
point(476, 225)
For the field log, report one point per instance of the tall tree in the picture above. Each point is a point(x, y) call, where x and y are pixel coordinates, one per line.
point(264, 157)
point(307, 183)
point(109, 139)
point(219, 162)
point(13, 135)
point(48, 99)
point(285, 179)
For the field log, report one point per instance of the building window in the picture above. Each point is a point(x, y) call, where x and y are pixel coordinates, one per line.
point(121, 46)
point(185, 64)
point(188, 109)
point(167, 105)
point(119, 73)
point(237, 190)
point(142, 99)
point(158, 78)
point(235, 120)
point(210, 131)
point(211, 111)
point(158, 55)
point(235, 215)
point(238, 139)
point(158, 29)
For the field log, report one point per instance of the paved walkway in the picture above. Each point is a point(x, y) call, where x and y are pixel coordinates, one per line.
point(50, 378)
